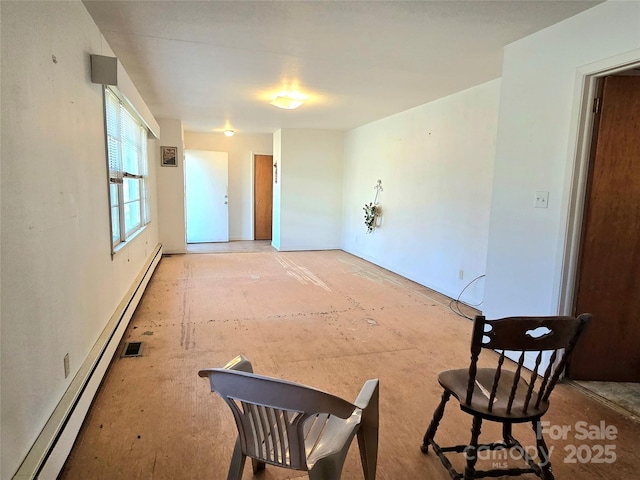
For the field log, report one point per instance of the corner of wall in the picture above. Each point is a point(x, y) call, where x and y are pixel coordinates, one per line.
point(170, 189)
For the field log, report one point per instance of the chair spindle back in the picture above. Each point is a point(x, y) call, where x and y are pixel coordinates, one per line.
point(274, 417)
point(549, 340)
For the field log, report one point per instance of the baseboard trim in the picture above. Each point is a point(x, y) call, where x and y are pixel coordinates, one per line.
point(52, 447)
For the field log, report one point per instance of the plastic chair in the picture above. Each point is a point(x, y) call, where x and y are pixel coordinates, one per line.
point(500, 395)
point(294, 426)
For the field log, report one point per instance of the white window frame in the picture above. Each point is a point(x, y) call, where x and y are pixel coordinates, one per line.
point(127, 164)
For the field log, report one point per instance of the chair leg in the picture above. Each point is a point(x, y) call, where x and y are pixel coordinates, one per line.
point(543, 452)
point(237, 463)
point(368, 432)
point(507, 437)
point(472, 450)
point(329, 468)
point(435, 421)
point(257, 465)
point(368, 443)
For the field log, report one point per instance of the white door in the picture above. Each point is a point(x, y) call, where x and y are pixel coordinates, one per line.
point(206, 196)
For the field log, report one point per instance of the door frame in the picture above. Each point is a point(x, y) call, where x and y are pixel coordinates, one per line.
point(588, 81)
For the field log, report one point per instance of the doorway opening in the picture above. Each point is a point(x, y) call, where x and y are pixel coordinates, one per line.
point(604, 238)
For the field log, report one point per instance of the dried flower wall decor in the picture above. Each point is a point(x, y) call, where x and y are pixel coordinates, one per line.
point(372, 210)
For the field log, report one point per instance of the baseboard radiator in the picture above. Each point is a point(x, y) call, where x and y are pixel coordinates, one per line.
point(52, 447)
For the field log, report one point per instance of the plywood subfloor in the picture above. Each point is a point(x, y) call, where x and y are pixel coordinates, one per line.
point(326, 319)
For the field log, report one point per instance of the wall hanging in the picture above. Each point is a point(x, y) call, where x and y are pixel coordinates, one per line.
point(372, 210)
point(169, 156)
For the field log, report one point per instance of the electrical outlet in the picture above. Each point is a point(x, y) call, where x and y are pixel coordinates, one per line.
point(66, 366)
point(542, 200)
point(461, 274)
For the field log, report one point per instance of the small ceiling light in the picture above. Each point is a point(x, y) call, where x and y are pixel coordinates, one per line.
point(288, 100)
point(229, 133)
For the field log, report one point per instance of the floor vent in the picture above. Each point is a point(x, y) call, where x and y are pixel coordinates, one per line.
point(132, 349)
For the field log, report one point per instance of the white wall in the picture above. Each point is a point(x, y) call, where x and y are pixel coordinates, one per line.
point(171, 210)
point(536, 150)
point(59, 283)
point(310, 189)
point(435, 162)
point(240, 149)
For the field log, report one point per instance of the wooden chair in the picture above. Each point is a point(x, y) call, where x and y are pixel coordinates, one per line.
point(500, 395)
point(294, 426)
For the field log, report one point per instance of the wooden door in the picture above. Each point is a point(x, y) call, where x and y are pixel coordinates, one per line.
point(608, 282)
point(263, 196)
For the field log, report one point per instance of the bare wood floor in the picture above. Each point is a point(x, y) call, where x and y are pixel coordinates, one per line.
point(326, 319)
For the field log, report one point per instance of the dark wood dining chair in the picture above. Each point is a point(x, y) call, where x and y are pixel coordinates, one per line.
point(507, 395)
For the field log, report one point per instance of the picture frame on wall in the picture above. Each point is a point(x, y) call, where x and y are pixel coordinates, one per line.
point(169, 156)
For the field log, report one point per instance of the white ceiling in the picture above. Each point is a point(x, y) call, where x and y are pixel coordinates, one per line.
point(216, 64)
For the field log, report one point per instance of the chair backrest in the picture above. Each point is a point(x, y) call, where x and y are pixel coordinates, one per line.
point(271, 414)
point(548, 340)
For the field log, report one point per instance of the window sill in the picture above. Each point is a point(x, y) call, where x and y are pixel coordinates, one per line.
point(122, 245)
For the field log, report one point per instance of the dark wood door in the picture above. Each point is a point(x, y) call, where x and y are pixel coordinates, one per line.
point(609, 270)
point(262, 196)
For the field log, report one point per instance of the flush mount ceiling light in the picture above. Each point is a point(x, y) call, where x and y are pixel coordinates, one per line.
point(288, 100)
point(229, 133)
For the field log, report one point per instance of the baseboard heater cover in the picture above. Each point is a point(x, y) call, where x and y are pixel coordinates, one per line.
point(52, 447)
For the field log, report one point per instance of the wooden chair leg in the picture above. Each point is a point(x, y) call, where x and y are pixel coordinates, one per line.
point(507, 437)
point(435, 421)
point(472, 450)
point(543, 452)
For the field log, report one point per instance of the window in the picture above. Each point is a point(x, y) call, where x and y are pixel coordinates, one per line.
point(128, 181)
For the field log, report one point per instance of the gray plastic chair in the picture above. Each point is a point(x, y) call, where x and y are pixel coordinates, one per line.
point(294, 426)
